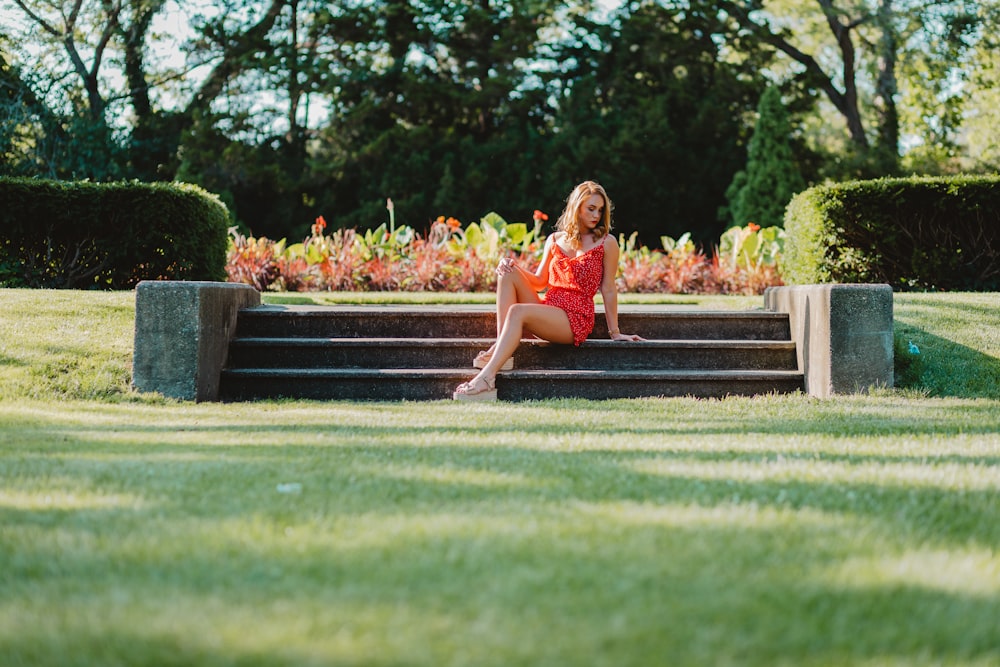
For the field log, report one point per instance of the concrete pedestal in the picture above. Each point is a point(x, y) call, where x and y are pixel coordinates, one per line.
point(843, 335)
point(182, 334)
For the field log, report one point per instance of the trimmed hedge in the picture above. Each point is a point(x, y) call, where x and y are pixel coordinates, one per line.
point(912, 233)
point(61, 234)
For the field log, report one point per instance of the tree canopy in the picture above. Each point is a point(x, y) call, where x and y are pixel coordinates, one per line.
point(291, 109)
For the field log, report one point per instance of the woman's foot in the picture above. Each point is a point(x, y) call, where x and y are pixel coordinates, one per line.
point(484, 357)
point(476, 389)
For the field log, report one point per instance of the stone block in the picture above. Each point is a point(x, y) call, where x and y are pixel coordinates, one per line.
point(182, 334)
point(843, 334)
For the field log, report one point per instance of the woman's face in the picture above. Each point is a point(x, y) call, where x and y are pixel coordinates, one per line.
point(591, 212)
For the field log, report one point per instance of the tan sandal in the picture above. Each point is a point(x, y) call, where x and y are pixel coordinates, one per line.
point(484, 357)
point(476, 389)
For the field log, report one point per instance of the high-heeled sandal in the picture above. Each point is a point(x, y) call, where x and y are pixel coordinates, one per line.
point(484, 357)
point(472, 391)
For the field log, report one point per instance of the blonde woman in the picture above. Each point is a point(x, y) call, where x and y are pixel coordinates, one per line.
point(579, 259)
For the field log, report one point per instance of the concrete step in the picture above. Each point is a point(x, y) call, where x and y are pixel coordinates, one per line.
point(518, 385)
point(423, 353)
point(480, 322)
point(532, 354)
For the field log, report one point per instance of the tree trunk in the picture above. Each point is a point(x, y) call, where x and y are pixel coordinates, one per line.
point(845, 42)
point(846, 100)
point(888, 131)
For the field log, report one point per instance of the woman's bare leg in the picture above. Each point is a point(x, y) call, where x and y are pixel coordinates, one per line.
point(512, 287)
point(547, 322)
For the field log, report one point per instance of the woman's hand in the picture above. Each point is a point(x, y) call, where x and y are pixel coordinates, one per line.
point(505, 266)
point(618, 335)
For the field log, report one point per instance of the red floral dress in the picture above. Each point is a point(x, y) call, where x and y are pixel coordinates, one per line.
point(573, 282)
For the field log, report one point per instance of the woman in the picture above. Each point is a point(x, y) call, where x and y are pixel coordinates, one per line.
point(580, 258)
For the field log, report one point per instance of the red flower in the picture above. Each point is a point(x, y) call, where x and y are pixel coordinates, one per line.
point(538, 215)
point(319, 226)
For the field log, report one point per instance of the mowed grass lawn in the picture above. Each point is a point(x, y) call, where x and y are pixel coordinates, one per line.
point(777, 530)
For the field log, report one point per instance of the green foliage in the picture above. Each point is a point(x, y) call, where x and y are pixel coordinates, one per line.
point(752, 246)
point(761, 192)
point(448, 258)
point(681, 268)
point(914, 234)
point(652, 110)
point(108, 236)
point(263, 184)
point(493, 238)
point(310, 108)
point(452, 259)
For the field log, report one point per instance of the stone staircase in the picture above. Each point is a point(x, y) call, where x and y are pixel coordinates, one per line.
point(424, 352)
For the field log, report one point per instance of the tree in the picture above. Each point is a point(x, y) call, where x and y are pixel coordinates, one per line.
point(761, 192)
point(305, 107)
point(70, 136)
point(870, 38)
point(654, 110)
point(437, 107)
point(83, 38)
point(983, 123)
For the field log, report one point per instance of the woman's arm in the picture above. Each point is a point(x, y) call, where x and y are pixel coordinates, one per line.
point(609, 292)
point(538, 280)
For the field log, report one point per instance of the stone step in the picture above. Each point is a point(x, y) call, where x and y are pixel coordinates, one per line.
point(517, 385)
point(843, 336)
point(423, 353)
point(437, 321)
point(593, 354)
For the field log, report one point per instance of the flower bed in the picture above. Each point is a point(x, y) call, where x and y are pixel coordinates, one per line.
point(455, 258)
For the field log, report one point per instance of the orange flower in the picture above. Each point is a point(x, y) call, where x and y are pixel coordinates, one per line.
point(440, 219)
point(319, 226)
point(453, 224)
point(753, 227)
point(538, 215)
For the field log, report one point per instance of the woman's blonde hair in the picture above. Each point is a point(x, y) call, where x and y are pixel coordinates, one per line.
point(569, 221)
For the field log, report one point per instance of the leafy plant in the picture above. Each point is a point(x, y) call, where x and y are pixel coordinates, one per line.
point(747, 259)
point(454, 258)
point(252, 260)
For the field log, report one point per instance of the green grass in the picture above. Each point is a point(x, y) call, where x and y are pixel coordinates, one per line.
point(958, 338)
point(777, 530)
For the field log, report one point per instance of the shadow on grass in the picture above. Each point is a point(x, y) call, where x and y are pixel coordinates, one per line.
point(6, 360)
point(941, 367)
point(409, 552)
point(426, 543)
point(699, 477)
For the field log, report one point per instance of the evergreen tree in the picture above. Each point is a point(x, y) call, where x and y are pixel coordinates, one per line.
point(652, 110)
point(760, 193)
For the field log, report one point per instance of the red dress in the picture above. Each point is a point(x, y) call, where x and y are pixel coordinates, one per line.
point(573, 282)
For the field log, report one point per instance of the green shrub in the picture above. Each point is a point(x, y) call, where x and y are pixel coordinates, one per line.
point(914, 234)
point(58, 234)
